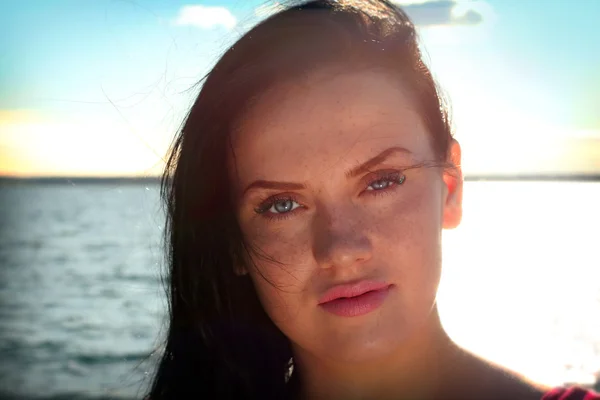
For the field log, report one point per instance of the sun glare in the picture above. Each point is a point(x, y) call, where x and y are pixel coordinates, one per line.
point(36, 145)
point(520, 295)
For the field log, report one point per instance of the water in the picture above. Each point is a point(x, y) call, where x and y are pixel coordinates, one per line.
point(81, 306)
point(80, 300)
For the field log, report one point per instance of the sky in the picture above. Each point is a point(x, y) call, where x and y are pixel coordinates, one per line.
point(99, 88)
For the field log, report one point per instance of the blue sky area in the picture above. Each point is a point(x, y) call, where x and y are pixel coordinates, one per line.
point(113, 77)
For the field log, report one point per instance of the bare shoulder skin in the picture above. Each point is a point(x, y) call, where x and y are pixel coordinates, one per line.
point(475, 378)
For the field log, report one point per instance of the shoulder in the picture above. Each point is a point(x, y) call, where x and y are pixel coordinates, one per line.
point(570, 393)
point(507, 384)
point(475, 378)
point(493, 381)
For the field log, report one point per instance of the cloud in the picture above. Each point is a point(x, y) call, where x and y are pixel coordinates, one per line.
point(424, 13)
point(205, 17)
point(409, 2)
point(444, 12)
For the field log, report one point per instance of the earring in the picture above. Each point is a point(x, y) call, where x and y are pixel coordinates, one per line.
point(238, 267)
point(240, 271)
point(290, 369)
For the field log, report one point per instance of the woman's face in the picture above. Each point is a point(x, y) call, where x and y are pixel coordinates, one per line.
point(317, 170)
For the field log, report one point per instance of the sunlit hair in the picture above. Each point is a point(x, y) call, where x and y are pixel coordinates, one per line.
point(220, 342)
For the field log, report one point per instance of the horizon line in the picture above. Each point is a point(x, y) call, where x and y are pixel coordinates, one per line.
point(587, 177)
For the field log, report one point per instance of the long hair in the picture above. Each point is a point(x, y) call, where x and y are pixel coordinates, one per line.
point(220, 343)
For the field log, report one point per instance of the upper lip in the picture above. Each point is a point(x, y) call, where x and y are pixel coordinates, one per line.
point(351, 289)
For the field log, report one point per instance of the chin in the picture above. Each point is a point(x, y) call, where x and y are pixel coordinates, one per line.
point(366, 343)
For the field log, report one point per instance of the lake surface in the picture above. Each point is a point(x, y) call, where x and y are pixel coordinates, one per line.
point(81, 305)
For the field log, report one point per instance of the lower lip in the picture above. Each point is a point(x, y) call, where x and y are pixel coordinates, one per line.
point(356, 306)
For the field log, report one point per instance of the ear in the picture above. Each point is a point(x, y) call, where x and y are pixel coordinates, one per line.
point(453, 180)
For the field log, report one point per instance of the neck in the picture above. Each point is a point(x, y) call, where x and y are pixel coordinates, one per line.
point(413, 371)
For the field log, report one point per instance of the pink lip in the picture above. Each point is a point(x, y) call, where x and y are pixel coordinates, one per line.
point(354, 299)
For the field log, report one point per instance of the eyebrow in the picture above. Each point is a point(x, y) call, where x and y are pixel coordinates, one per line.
point(378, 159)
point(364, 167)
point(262, 184)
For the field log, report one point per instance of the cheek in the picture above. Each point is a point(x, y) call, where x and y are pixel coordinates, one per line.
point(282, 293)
point(407, 239)
point(285, 242)
point(412, 221)
point(281, 273)
point(281, 264)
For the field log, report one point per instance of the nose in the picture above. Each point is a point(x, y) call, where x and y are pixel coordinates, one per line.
point(341, 240)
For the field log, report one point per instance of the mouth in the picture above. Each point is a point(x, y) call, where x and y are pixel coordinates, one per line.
point(353, 300)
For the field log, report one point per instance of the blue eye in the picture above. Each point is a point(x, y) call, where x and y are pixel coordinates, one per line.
point(278, 206)
point(283, 206)
point(387, 181)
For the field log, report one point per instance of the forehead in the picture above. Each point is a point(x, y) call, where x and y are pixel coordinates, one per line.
point(325, 121)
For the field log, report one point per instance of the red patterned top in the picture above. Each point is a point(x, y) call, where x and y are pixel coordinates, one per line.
point(571, 393)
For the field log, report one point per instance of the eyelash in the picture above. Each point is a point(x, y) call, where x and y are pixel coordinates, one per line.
point(395, 178)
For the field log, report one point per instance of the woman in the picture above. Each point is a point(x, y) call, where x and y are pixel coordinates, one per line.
point(306, 194)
